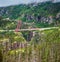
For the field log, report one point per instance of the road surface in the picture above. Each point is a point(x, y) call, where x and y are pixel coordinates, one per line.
point(32, 29)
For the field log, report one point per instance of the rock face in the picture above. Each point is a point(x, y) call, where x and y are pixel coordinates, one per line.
point(39, 18)
point(50, 19)
point(58, 16)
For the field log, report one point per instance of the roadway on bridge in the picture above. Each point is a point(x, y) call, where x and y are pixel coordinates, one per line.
point(32, 29)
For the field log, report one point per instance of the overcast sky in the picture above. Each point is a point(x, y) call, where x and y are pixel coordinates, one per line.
point(13, 2)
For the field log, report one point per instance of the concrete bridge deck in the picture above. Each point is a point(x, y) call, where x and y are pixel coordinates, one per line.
point(32, 29)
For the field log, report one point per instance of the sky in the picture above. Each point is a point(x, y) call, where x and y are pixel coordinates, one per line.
point(13, 2)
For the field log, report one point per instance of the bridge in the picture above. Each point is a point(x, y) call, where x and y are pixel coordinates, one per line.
point(19, 24)
point(32, 29)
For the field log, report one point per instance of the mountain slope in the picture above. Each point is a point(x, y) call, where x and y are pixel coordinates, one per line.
point(42, 14)
point(34, 8)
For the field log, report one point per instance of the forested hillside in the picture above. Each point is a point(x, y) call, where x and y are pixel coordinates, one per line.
point(44, 46)
point(42, 14)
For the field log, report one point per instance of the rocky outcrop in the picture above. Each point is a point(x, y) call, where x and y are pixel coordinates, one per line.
point(58, 16)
